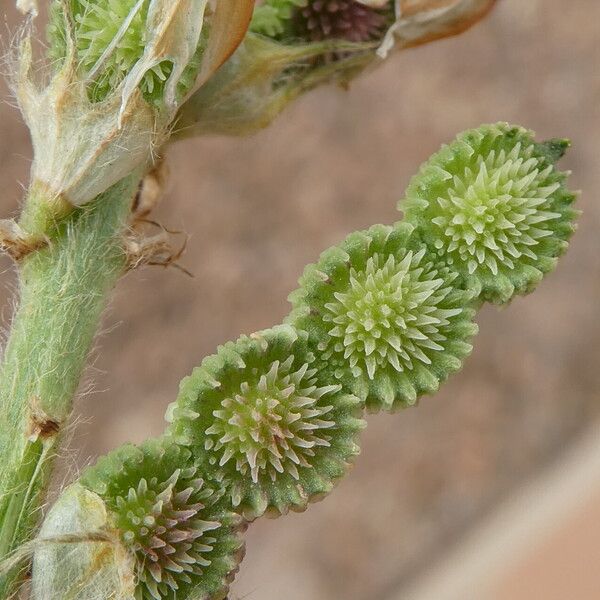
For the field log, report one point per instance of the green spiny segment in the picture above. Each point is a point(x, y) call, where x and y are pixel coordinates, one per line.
point(264, 423)
point(494, 207)
point(387, 320)
point(185, 543)
point(97, 24)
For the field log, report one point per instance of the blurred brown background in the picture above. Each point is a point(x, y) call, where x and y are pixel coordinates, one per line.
point(259, 209)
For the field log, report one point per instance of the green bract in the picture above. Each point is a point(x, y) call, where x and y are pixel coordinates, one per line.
point(493, 206)
point(265, 423)
point(186, 545)
point(261, 78)
point(387, 321)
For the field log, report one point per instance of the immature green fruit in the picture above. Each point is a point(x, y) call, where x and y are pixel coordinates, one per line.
point(272, 17)
point(386, 318)
point(264, 423)
point(494, 208)
point(112, 37)
point(186, 545)
point(100, 24)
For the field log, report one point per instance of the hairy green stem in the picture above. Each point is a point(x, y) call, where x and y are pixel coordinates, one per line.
point(63, 290)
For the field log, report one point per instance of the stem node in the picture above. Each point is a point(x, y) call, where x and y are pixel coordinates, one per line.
point(17, 243)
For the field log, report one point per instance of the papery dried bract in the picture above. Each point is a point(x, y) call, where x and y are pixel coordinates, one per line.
point(228, 27)
point(82, 148)
point(73, 560)
point(28, 7)
point(422, 21)
point(174, 28)
point(373, 3)
point(84, 144)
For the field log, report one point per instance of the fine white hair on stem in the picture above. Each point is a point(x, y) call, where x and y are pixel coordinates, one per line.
point(10, 43)
point(28, 7)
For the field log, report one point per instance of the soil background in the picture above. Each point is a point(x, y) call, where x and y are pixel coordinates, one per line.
point(259, 209)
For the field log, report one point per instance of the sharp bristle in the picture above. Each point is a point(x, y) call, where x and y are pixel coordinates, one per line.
point(278, 410)
point(169, 535)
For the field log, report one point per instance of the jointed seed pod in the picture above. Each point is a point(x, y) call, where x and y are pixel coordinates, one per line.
point(262, 421)
point(184, 542)
point(494, 207)
point(385, 317)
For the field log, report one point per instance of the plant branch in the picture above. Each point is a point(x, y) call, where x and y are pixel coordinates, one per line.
point(64, 288)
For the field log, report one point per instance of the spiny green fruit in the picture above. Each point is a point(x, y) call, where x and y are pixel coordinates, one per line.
point(97, 25)
point(185, 543)
point(495, 208)
point(385, 316)
point(264, 423)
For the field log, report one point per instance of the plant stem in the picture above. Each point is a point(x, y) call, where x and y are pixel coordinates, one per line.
point(64, 289)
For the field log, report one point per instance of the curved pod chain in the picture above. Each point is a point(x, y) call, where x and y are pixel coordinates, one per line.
point(271, 421)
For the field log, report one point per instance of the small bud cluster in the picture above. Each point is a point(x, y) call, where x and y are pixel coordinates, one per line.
point(319, 20)
point(339, 19)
